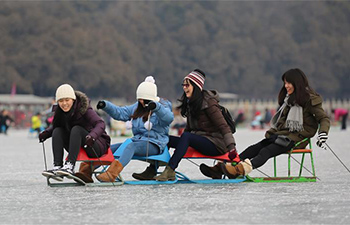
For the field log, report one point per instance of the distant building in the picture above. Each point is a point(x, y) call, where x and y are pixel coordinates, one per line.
point(22, 107)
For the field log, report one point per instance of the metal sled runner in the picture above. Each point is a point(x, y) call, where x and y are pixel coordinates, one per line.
point(103, 161)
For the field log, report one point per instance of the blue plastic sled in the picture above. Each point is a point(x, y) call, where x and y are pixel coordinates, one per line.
point(163, 159)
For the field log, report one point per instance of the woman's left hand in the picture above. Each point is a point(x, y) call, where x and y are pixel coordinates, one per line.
point(151, 106)
point(321, 140)
point(89, 141)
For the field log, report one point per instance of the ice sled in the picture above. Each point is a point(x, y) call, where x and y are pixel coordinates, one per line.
point(163, 158)
point(289, 178)
point(103, 161)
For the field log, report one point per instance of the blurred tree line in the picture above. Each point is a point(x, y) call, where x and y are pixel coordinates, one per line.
point(106, 48)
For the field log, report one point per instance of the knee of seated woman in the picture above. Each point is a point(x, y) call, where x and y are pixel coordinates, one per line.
point(186, 134)
point(77, 130)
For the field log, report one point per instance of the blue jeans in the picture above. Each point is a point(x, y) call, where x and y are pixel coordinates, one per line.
point(138, 148)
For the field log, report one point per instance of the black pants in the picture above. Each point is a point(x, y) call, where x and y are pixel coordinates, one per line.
point(262, 151)
point(201, 144)
point(61, 139)
point(343, 121)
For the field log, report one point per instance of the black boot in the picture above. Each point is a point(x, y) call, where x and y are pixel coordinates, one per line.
point(214, 172)
point(148, 174)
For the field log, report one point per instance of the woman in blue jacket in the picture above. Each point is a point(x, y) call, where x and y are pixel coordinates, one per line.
point(151, 118)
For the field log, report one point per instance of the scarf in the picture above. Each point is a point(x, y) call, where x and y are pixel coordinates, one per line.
point(294, 120)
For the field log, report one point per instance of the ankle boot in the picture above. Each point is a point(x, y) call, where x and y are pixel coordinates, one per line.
point(148, 174)
point(112, 172)
point(214, 172)
point(242, 168)
point(85, 172)
point(168, 174)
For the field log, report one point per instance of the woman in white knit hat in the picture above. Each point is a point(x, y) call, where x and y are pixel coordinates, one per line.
point(75, 125)
point(151, 117)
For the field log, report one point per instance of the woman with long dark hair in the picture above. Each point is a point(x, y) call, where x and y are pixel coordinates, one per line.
point(206, 129)
point(299, 116)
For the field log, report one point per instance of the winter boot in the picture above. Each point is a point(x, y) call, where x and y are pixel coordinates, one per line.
point(85, 172)
point(66, 170)
point(148, 174)
point(168, 174)
point(112, 172)
point(242, 168)
point(214, 172)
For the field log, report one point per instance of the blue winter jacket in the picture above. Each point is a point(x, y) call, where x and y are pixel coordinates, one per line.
point(161, 118)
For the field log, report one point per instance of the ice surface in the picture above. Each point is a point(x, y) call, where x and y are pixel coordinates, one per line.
point(25, 197)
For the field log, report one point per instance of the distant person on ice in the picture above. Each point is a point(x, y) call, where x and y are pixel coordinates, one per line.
point(36, 123)
point(299, 116)
point(5, 121)
point(343, 114)
point(75, 125)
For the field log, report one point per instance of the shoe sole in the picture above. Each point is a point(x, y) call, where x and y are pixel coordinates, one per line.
point(77, 179)
point(66, 174)
point(50, 176)
point(137, 177)
point(83, 177)
point(169, 179)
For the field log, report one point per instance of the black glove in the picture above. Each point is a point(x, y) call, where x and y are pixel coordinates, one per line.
point(89, 141)
point(321, 140)
point(151, 106)
point(43, 136)
point(101, 104)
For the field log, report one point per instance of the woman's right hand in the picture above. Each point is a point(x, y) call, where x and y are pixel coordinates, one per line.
point(43, 136)
point(101, 104)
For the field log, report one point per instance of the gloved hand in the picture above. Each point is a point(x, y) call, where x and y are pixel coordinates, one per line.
point(321, 140)
point(101, 104)
point(151, 105)
point(43, 136)
point(89, 141)
point(233, 155)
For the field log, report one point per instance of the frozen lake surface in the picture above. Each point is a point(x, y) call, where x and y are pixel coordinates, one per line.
point(25, 197)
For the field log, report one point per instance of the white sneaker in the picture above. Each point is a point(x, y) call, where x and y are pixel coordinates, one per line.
point(52, 173)
point(66, 170)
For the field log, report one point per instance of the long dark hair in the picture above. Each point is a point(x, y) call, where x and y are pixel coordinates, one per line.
point(194, 103)
point(302, 89)
point(140, 112)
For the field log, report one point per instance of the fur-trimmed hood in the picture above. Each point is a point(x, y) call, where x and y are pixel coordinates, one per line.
point(82, 102)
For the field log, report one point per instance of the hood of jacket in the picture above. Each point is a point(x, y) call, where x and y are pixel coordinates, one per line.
point(209, 95)
point(82, 103)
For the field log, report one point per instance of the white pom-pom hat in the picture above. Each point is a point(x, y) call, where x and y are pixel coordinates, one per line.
point(147, 90)
point(65, 91)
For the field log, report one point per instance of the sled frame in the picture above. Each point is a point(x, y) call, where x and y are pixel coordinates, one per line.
point(289, 178)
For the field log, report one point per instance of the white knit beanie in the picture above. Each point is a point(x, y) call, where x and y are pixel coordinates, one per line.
point(147, 90)
point(65, 91)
